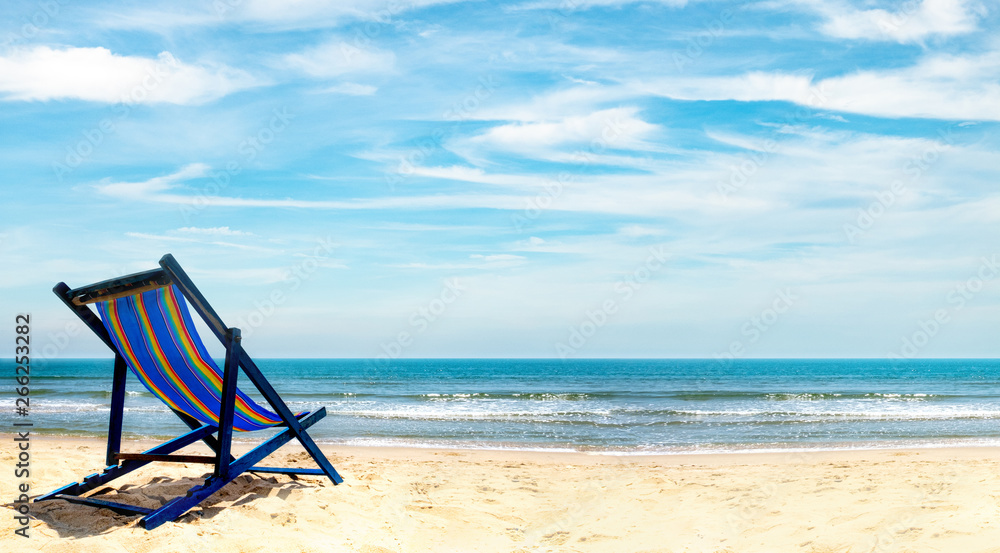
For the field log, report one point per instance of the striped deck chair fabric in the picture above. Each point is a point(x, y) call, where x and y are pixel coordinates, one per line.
point(154, 332)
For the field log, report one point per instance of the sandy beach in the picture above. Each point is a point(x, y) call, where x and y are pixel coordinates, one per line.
point(409, 500)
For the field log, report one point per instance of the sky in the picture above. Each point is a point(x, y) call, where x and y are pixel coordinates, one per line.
point(535, 178)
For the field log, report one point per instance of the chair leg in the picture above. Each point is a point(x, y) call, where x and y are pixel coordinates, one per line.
point(227, 401)
point(117, 410)
point(180, 505)
point(255, 376)
point(317, 454)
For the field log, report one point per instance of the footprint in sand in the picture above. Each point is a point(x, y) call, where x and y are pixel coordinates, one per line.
point(556, 538)
point(374, 549)
point(515, 534)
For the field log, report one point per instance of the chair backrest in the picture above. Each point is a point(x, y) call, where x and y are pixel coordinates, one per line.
point(154, 332)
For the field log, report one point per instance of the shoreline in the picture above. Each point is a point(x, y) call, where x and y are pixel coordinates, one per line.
point(402, 500)
point(776, 449)
point(578, 457)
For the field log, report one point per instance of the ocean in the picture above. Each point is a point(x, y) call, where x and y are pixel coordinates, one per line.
point(603, 406)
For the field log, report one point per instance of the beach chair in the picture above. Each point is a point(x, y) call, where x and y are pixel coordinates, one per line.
point(145, 321)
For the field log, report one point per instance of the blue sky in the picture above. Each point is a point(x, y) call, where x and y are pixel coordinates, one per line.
point(566, 178)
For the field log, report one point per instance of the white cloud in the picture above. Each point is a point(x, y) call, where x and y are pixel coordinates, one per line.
point(215, 231)
point(351, 89)
point(98, 75)
point(497, 257)
point(567, 102)
point(473, 174)
point(615, 194)
point(749, 87)
point(564, 139)
point(167, 238)
point(639, 231)
point(337, 57)
point(938, 87)
point(944, 87)
point(492, 261)
point(269, 275)
point(615, 128)
point(804, 174)
point(324, 12)
point(572, 5)
point(456, 201)
point(913, 22)
point(157, 189)
point(271, 14)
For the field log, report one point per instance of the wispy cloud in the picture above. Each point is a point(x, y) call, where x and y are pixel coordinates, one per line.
point(320, 13)
point(174, 238)
point(478, 175)
point(572, 5)
point(214, 231)
point(154, 190)
point(951, 87)
point(336, 58)
point(351, 89)
point(268, 14)
point(557, 103)
point(151, 187)
point(497, 257)
point(479, 262)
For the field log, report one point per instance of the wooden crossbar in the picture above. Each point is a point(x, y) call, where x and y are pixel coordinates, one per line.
point(205, 459)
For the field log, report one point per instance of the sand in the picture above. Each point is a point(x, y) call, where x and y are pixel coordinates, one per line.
point(416, 500)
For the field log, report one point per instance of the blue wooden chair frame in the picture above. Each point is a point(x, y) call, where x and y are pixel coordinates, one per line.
point(217, 438)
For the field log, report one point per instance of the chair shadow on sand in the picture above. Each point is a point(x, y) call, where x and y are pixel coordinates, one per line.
point(71, 520)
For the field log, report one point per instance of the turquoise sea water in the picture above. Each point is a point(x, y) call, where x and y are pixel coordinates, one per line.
point(611, 406)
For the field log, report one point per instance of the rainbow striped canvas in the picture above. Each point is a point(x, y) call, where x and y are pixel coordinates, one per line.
point(153, 331)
